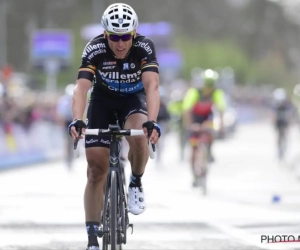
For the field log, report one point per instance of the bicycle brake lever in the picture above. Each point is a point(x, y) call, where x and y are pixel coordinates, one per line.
point(153, 147)
point(76, 142)
point(79, 131)
point(131, 226)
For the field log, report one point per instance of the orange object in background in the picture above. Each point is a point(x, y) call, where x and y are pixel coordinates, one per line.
point(6, 72)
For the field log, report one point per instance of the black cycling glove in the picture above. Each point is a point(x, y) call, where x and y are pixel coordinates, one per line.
point(78, 124)
point(150, 125)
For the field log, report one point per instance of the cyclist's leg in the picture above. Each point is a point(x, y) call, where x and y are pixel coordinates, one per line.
point(279, 130)
point(283, 142)
point(133, 115)
point(193, 141)
point(97, 158)
point(138, 151)
point(97, 155)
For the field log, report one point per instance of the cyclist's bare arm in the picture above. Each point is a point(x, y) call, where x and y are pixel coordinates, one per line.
point(79, 97)
point(79, 101)
point(220, 103)
point(187, 118)
point(151, 85)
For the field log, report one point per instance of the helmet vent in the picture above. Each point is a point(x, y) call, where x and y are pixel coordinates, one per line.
point(115, 25)
point(126, 17)
point(125, 25)
point(128, 11)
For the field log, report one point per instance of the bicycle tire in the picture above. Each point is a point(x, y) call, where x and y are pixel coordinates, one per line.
point(113, 210)
point(124, 220)
point(109, 241)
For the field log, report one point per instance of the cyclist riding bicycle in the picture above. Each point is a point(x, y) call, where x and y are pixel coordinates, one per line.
point(284, 111)
point(198, 106)
point(123, 67)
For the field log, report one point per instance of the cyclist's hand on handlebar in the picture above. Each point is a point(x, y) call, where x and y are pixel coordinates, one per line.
point(77, 129)
point(152, 130)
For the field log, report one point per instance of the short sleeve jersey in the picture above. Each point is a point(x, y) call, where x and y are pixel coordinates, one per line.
point(117, 77)
point(193, 96)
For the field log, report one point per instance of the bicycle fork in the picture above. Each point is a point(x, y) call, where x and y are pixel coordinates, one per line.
point(123, 219)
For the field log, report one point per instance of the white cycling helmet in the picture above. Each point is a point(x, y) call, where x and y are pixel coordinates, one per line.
point(119, 18)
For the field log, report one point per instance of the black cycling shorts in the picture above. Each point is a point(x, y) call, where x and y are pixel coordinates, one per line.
point(101, 113)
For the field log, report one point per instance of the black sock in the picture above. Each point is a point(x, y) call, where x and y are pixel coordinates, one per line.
point(135, 180)
point(92, 229)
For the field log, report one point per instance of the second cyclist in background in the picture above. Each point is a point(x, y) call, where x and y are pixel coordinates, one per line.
point(199, 106)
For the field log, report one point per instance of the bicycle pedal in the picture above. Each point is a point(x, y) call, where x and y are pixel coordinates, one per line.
point(100, 234)
point(130, 226)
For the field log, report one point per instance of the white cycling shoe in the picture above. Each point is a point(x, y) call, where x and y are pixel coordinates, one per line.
point(92, 248)
point(136, 202)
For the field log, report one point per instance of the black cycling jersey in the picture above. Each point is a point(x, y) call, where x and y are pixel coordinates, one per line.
point(113, 78)
point(117, 77)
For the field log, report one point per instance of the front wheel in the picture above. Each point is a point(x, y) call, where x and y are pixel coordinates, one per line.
point(113, 210)
point(110, 221)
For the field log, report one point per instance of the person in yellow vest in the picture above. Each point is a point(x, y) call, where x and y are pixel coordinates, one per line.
point(198, 108)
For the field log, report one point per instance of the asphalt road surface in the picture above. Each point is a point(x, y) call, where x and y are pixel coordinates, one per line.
point(250, 194)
